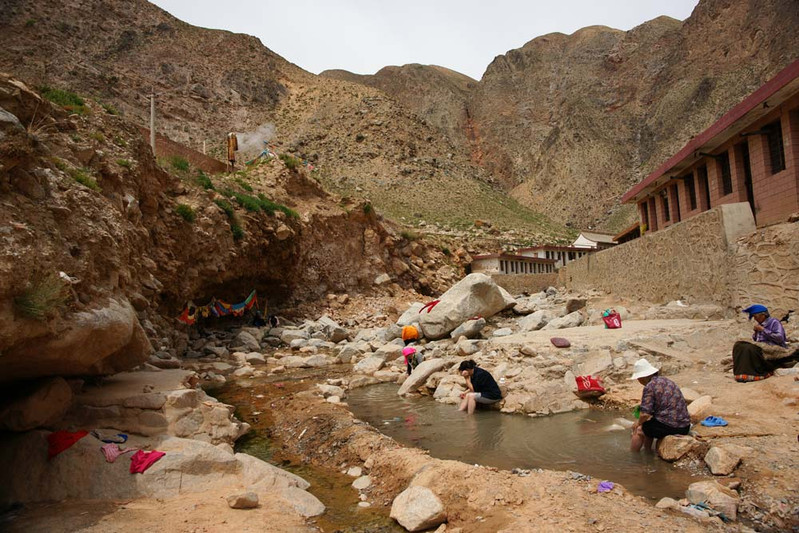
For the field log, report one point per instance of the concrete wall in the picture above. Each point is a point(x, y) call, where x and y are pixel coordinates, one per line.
point(691, 260)
point(767, 268)
point(519, 283)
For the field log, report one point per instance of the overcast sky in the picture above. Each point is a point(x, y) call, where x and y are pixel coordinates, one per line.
point(363, 36)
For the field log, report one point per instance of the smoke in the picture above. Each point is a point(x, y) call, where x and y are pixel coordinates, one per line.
point(251, 143)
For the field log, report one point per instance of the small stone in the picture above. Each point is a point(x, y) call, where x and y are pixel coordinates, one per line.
point(667, 503)
point(355, 471)
point(364, 504)
point(674, 447)
point(243, 500)
point(362, 483)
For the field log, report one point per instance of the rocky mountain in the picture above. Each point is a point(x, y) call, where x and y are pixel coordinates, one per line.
point(568, 123)
point(361, 142)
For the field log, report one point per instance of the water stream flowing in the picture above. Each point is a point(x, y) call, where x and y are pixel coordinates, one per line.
point(584, 441)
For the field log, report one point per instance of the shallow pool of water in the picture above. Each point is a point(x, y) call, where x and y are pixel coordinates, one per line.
point(578, 441)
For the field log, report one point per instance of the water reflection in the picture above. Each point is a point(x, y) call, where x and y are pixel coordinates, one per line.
point(587, 441)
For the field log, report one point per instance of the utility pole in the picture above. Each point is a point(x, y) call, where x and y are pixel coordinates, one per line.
point(204, 147)
point(152, 121)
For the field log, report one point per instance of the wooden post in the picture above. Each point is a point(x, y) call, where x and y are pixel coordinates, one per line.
point(204, 147)
point(152, 122)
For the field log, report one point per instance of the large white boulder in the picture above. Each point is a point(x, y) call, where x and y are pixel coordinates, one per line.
point(474, 295)
point(370, 364)
point(420, 374)
point(411, 315)
point(418, 508)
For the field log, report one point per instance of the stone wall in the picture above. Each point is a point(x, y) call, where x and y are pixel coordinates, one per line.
point(519, 283)
point(166, 147)
point(693, 260)
point(767, 268)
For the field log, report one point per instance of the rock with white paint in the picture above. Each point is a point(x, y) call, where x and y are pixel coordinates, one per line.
point(418, 508)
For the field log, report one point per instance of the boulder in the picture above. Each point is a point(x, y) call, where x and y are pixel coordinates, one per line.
point(316, 361)
point(476, 294)
point(36, 405)
point(469, 329)
point(370, 364)
point(243, 500)
point(535, 321)
point(255, 358)
point(723, 459)
point(305, 503)
point(411, 315)
point(332, 330)
point(330, 390)
point(418, 508)
point(449, 389)
point(420, 374)
point(348, 352)
point(572, 320)
point(289, 335)
point(575, 304)
point(467, 347)
point(715, 495)
point(675, 447)
point(248, 341)
point(94, 342)
point(700, 408)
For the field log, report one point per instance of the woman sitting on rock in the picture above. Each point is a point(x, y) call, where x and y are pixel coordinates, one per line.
point(663, 408)
point(757, 360)
point(482, 387)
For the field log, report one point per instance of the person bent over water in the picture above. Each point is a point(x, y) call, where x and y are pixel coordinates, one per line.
point(482, 387)
point(663, 408)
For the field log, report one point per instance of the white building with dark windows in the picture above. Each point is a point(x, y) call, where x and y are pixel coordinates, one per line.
point(511, 264)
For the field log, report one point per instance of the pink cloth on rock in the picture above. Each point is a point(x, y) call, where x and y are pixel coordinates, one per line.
point(141, 460)
point(112, 451)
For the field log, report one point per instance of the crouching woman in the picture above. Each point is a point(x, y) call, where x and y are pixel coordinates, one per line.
point(663, 408)
point(482, 387)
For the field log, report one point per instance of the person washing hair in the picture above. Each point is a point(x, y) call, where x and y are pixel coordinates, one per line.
point(749, 362)
point(482, 387)
point(663, 408)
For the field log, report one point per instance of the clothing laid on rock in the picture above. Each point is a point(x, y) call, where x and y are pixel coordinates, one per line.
point(112, 451)
point(60, 440)
point(773, 332)
point(141, 460)
point(663, 399)
point(109, 436)
point(484, 383)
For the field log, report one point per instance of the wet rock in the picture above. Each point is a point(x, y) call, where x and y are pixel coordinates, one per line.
point(330, 390)
point(420, 374)
point(700, 408)
point(724, 459)
point(244, 372)
point(714, 495)
point(38, 405)
point(476, 294)
point(369, 365)
point(572, 320)
point(243, 500)
point(675, 447)
point(418, 508)
point(362, 483)
point(316, 361)
point(469, 329)
point(449, 389)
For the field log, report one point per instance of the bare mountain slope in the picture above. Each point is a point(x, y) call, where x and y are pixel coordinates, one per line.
point(361, 141)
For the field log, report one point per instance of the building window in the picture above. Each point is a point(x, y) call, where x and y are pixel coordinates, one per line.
point(701, 175)
point(690, 184)
point(666, 211)
point(645, 213)
point(776, 149)
point(726, 175)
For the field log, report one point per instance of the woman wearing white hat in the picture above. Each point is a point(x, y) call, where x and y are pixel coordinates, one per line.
point(663, 408)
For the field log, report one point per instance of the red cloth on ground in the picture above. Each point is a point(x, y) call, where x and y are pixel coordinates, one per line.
point(61, 440)
point(141, 461)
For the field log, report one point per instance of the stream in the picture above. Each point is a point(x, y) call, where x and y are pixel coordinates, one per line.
point(581, 441)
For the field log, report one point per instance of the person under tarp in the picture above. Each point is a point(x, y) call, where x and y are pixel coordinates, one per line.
point(768, 350)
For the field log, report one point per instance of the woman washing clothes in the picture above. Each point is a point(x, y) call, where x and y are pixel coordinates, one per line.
point(768, 350)
point(482, 387)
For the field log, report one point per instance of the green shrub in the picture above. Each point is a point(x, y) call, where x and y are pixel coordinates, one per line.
point(121, 142)
point(186, 211)
point(179, 163)
point(124, 163)
point(367, 209)
point(60, 164)
point(97, 136)
point(237, 231)
point(243, 184)
point(269, 207)
point(446, 251)
point(66, 99)
point(30, 22)
point(291, 162)
point(110, 109)
point(409, 235)
point(250, 203)
point(204, 181)
point(82, 177)
point(42, 298)
point(226, 207)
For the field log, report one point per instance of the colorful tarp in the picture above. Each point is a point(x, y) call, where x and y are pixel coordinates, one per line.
point(217, 308)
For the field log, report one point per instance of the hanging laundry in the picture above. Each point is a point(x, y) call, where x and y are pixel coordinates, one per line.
point(141, 460)
point(112, 451)
point(60, 440)
point(217, 308)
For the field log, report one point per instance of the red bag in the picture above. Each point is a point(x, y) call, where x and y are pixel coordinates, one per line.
point(612, 320)
point(589, 387)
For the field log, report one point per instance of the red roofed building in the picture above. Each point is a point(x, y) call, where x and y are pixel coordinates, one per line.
point(751, 154)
